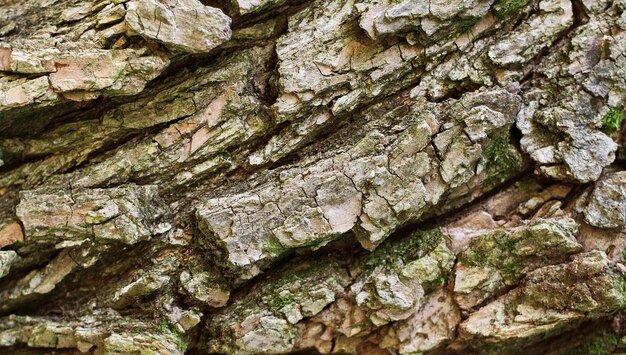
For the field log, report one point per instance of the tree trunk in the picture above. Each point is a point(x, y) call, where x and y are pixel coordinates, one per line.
point(347, 176)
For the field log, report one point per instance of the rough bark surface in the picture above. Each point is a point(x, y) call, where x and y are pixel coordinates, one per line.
point(312, 176)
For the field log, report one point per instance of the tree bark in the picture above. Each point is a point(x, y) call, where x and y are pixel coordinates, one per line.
point(325, 176)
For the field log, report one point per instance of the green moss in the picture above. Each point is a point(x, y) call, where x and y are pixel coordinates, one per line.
point(318, 243)
point(281, 292)
point(227, 155)
point(273, 247)
point(600, 344)
point(282, 300)
point(485, 250)
point(612, 121)
point(506, 8)
point(393, 253)
point(166, 327)
point(466, 24)
point(482, 256)
point(501, 162)
point(511, 268)
point(119, 75)
point(440, 281)
point(509, 244)
point(495, 250)
point(620, 286)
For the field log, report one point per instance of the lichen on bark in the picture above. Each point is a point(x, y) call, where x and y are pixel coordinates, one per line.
point(312, 176)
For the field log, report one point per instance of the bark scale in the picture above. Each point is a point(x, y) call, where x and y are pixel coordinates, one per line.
point(332, 176)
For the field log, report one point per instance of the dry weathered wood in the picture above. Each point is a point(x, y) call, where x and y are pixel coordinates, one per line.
point(348, 176)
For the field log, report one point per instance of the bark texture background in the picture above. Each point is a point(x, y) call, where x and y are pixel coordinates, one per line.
point(333, 176)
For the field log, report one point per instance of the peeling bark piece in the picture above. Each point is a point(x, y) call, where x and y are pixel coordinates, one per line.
point(463, 231)
point(384, 18)
point(276, 223)
point(563, 139)
point(497, 260)
point(265, 320)
point(530, 38)
point(5, 57)
point(111, 14)
point(7, 258)
point(10, 234)
point(144, 342)
point(461, 159)
point(81, 51)
point(551, 298)
point(126, 214)
point(80, 75)
point(428, 328)
point(393, 280)
point(142, 287)
point(562, 127)
point(121, 72)
point(607, 205)
point(206, 287)
point(252, 6)
point(23, 92)
point(185, 25)
point(102, 332)
point(32, 60)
